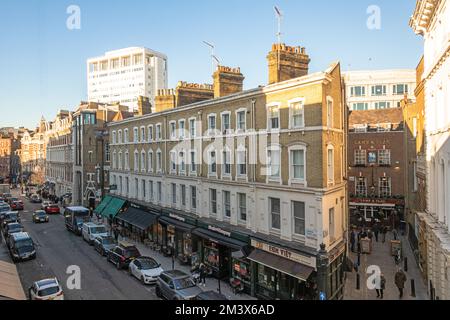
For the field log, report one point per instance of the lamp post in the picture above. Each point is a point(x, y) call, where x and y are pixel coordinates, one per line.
point(100, 136)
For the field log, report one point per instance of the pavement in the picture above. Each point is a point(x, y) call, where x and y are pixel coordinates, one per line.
point(381, 256)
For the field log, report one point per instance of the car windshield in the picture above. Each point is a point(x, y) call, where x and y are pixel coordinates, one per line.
point(148, 264)
point(15, 228)
point(40, 213)
point(54, 206)
point(183, 283)
point(48, 291)
point(24, 244)
point(98, 229)
point(4, 208)
point(12, 216)
point(132, 252)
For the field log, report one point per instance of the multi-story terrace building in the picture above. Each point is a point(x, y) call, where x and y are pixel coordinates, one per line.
point(251, 183)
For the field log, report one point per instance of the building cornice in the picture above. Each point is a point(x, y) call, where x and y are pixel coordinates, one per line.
point(423, 15)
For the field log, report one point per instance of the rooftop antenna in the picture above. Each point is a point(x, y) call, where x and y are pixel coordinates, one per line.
point(279, 15)
point(215, 61)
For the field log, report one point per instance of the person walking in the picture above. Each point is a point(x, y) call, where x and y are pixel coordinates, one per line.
point(400, 279)
point(352, 240)
point(395, 234)
point(376, 231)
point(383, 233)
point(203, 274)
point(381, 285)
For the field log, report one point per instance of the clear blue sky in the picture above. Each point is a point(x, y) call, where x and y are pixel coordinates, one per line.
point(43, 66)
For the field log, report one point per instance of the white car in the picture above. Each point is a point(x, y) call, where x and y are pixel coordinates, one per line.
point(47, 289)
point(90, 231)
point(45, 204)
point(146, 269)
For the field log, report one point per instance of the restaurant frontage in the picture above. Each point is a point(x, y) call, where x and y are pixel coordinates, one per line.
point(137, 221)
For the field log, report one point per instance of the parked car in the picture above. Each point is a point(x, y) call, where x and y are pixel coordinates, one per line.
point(90, 231)
point(176, 285)
point(47, 289)
point(123, 254)
point(4, 208)
point(21, 247)
point(145, 269)
point(104, 244)
point(52, 209)
point(40, 216)
point(10, 217)
point(35, 199)
point(45, 204)
point(10, 229)
point(12, 199)
point(17, 205)
point(211, 295)
point(6, 196)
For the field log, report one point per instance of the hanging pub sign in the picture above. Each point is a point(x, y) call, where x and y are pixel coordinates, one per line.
point(372, 157)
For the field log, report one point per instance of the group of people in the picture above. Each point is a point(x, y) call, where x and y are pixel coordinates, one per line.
point(399, 280)
point(369, 233)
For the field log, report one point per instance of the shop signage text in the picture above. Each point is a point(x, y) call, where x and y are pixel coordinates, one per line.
point(174, 216)
point(398, 202)
point(218, 230)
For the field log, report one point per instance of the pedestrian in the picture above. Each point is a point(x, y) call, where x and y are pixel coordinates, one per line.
point(383, 233)
point(203, 274)
point(400, 279)
point(381, 286)
point(395, 233)
point(376, 231)
point(116, 233)
point(352, 240)
point(370, 234)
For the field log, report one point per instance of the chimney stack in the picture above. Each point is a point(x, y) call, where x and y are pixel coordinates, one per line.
point(144, 106)
point(227, 81)
point(165, 100)
point(287, 63)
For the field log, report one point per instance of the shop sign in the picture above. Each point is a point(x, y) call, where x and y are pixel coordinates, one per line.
point(176, 217)
point(218, 230)
point(309, 261)
point(398, 202)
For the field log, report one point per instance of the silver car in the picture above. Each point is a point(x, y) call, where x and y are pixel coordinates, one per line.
point(176, 285)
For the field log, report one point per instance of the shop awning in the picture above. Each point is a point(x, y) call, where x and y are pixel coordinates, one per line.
point(138, 218)
point(103, 205)
point(113, 207)
point(221, 239)
point(176, 223)
point(292, 268)
point(10, 285)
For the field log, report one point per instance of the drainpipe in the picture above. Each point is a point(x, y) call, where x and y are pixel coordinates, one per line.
point(254, 138)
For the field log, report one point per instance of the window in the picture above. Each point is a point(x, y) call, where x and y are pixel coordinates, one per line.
point(126, 136)
point(384, 157)
point(120, 137)
point(193, 165)
point(114, 137)
point(273, 115)
point(159, 161)
point(360, 128)
point(273, 162)
point(183, 195)
point(330, 164)
point(150, 133)
point(182, 162)
point(298, 209)
point(213, 201)
point(114, 160)
point(361, 187)
point(298, 164)
point(400, 89)
point(385, 187)
point(150, 161)
point(211, 124)
point(382, 105)
point(360, 157)
point(173, 128)
point(127, 160)
point(358, 91)
point(415, 180)
point(158, 132)
point(174, 193)
point(136, 188)
point(241, 120)
point(143, 161)
point(119, 160)
point(137, 59)
point(331, 223)
point(383, 127)
point(136, 161)
point(212, 163)
point(242, 206)
point(159, 191)
point(225, 122)
point(126, 61)
point(241, 162)
point(173, 162)
point(127, 186)
point(297, 114)
point(379, 90)
point(150, 190)
point(226, 167)
point(329, 112)
point(192, 128)
point(142, 134)
point(193, 197)
point(107, 152)
point(360, 106)
point(227, 204)
point(144, 190)
point(275, 213)
point(135, 135)
point(181, 128)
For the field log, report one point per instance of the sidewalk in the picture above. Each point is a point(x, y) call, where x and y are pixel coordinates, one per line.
point(381, 257)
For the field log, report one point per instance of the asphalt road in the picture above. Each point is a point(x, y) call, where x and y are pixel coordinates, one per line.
point(57, 249)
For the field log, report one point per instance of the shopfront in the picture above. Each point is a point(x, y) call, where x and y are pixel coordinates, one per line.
point(280, 273)
point(176, 237)
point(136, 222)
point(109, 208)
point(366, 212)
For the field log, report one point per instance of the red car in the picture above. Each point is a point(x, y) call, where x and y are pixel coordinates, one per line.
point(17, 205)
point(52, 209)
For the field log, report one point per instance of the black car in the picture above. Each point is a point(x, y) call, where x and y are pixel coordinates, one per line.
point(4, 209)
point(211, 295)
point(104, 244)
point(12, 228)
point(123, 254)
point(40, 216)
point(10, 217)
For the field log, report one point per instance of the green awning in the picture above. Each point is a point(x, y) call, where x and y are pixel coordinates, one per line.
point(113, 208)
point(103, 205)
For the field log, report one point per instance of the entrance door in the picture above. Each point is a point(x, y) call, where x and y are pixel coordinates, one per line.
point(225, 262)
point(286, 287)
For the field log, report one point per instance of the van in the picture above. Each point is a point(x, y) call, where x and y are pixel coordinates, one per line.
point(90, 231)
point(21, 247)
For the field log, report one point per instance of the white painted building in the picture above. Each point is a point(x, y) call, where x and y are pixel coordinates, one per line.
point(121, 76)
point(378, 89)
point(431, 20)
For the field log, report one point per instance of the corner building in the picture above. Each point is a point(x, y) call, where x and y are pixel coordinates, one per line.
point(251, 183)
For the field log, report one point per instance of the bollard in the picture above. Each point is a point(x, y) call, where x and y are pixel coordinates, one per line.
point(358, 282)
point(359, 259)
point(406, 264)
point(413, 288)
point(433, 294)
point(431, 290)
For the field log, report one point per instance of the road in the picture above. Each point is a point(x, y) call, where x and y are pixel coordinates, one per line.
point(57, 249)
